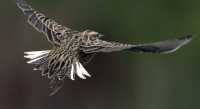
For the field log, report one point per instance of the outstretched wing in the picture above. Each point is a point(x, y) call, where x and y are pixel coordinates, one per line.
point(167, 46)
point(55, 33)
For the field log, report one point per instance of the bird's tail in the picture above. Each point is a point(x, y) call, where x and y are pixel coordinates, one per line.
point(55, 70)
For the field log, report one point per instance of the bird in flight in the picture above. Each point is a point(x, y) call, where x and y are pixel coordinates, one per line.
point(73, 49)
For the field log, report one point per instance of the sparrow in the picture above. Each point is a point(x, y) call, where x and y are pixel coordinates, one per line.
point(72, 50)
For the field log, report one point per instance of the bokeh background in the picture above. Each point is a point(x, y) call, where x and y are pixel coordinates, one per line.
point(121, 80)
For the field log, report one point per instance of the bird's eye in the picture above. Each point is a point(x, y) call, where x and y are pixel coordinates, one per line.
point(59, 36)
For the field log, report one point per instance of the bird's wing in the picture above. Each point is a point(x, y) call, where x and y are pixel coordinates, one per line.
point(167, 46)
point(55, 33)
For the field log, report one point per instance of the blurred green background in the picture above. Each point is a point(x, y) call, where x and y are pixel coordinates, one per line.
point(121, 80)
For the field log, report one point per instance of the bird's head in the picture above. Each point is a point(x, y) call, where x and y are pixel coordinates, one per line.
point(91, 35)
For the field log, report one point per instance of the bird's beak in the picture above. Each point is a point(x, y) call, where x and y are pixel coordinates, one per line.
point(101, 35)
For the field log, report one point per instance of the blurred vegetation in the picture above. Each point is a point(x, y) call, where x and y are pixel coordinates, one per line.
point(120, 80)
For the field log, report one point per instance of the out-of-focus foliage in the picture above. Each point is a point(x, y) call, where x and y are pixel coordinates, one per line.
point(119, 80)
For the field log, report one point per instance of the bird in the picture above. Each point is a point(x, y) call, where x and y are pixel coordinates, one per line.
point(72, 50)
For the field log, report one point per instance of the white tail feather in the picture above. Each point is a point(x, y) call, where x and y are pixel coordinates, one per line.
point(80, 71)
point(83, 70)
point(36, 52)
point(35, 55)
point(72, 72)
point(33, 60)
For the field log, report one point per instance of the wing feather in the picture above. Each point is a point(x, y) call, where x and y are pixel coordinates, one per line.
point(55, 33)
point(167, 46)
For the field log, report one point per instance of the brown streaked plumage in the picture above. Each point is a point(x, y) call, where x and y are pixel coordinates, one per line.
point(72, 48)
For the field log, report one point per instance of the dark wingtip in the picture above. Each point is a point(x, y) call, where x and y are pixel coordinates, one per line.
point(182, 41)
point(25, 7)
point(164, 47)
point(21, 2)
point(187, 37)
